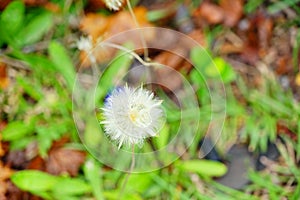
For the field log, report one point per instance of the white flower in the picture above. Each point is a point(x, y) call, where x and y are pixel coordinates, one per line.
point(114, 4)
point(131, 115)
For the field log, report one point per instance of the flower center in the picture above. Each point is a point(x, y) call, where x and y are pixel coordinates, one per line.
point(139, 115)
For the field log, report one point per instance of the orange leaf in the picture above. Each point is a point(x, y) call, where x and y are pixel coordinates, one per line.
point(212, 13)
point(298, 80)
point(233, 11)
point(5, 173)
point(101, 27)
point(4, 81)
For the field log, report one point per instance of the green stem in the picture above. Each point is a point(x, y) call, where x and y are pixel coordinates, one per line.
point(129, 173)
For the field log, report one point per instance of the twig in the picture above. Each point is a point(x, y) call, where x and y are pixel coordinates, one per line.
point(14, 62)
point(135, 55)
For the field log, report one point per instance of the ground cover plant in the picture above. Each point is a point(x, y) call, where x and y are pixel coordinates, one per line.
point(230, 107)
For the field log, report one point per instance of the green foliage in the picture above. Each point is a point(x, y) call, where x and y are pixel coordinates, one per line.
point(281, 5)
point(49, 186)
point(216, 68)
point(92, 171)
point(17, 31)
point(267, 105)
point(252, 5)
point(31, 180)
point(296, 51)
point(16, 130)
point(62, 62)
point(12, 18)
point(205, 168)
point(42, 114)
point(11, 21)
point(163, 138)
point(35, 29)
point(156, 15)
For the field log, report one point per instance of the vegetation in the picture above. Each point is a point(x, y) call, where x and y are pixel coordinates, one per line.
point(245, 79)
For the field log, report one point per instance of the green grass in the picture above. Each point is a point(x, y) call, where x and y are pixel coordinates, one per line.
point(38, 110)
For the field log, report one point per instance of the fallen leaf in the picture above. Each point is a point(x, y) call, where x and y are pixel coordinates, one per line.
point(212, 13)
point(175, 62)
point(16, 159)
point(199, 37)
point(297, 80)
point(94, 5)
point(52, 7)
point(4, 80)
point(233, 11)
point(2, 150)
point(168, 75)
point(265, 30)
point(250, 54)
point(4, 3)
point(283, 64)
point(101, 27)
point(5, 173)
point(282, 129)
point(169, 59)
point(94, 24)
point(14, 193)
point(229, 48)
point(62, 161)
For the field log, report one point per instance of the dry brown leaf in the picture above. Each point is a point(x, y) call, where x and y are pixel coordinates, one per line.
point(284, 65)
point(62, 161)
point(229, 48)
point(4, 80)
point(52, 7)
point(168, 75)
point(233, 11)
point(14, 193)
point(101, 27)
point(94, 24)
point(199, 37)
point(297, 80)
point(284, 130)
point(5, 173)
point(212, 13)
point(94, 5)
point(2, 152)
point(265, 31)
point(4, 3)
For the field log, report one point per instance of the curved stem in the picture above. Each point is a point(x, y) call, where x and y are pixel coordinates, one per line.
point(146, 53)
point(135, 55)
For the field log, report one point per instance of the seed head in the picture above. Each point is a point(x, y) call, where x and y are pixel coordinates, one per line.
point(131, 115)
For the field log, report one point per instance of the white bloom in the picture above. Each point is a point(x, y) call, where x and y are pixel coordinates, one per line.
point(114, 4)
point(131, 115)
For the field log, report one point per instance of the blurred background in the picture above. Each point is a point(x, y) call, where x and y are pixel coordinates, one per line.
point(250, 49)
